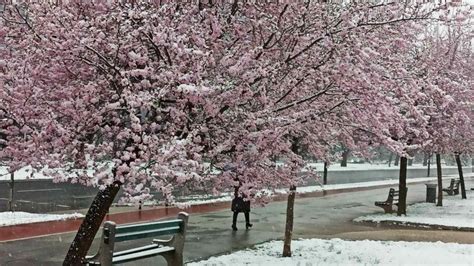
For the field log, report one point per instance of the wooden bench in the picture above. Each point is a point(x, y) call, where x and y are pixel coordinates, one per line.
point(392, 199)
point(453, 188)
point(171, 249)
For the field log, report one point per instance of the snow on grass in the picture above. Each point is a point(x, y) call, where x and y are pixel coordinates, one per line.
point(23, 173)
point(184, 202)
point(14, 218)
point(369, 166)
point(342, 252)
point(28, 172)
point(308, 189)
point(203, 199)
point(455, 212)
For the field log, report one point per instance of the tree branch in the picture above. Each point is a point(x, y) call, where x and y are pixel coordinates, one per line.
point(295, 103)
point(103, 59)
point(290, 58)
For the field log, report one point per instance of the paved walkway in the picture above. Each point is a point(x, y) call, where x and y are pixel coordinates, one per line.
point(210, 234)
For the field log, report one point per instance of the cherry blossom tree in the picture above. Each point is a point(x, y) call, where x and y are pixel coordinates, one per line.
point(17, 112)
point(448, 70)
point(424, 90)
point(146, 96)
point(442, 64)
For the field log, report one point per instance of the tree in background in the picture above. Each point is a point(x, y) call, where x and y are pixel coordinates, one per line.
point(445, 60)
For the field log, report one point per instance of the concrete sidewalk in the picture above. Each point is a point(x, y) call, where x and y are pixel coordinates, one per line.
point(210, 234)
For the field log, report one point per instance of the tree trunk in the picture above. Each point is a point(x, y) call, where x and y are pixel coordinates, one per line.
point(440, 180)
point(402, 187)
point(12, 191)
point(390, 158)
point(461, 177)
point(472, 163)
point(345, 155)
point(325, 174)
point(429, 165)
point(289, 222)
point(91, 224)
point(397, 159)
point(426, 157)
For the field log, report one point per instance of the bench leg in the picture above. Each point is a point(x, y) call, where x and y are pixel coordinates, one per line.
point(174, 259)
point(388, 209)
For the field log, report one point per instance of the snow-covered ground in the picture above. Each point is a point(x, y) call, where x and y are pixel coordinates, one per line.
point(29, 173)
point(341, 252)
point(14, 218)
point(455, 212)
point(206, 199)
point(369, 166)
point(202, 199)
point(308, 189)
point(23, 173)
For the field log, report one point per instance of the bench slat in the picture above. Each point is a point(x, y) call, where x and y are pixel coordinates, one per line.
point(148, 233)
point(453, 188)
point(142, 254)
point(147, 226)
point(134, 250)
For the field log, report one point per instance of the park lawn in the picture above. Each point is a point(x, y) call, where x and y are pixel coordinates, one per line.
point(341, 252)
point(455, 213)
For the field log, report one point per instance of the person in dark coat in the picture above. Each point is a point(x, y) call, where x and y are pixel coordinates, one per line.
point(240, 205)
